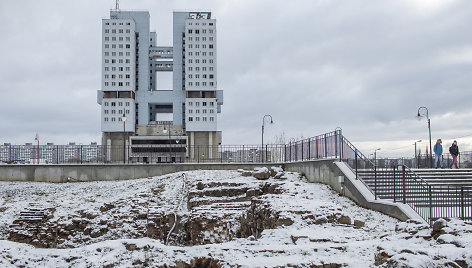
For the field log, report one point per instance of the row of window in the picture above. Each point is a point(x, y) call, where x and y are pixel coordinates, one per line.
point(113, 119)
point(119, 23)
point(114, 46)
point(113, 103)
point(197, 31)
point(203, 61)
point(204, 103)
point(121, 69)
point(113, 61)
point(120, 84)
point(197, 69)
point(197, 46)
point(203, 23)
point(197, 39)
point(121, 53)
point(202, 39)
point(204, 119)
point(198, 84)
point(119, 31)
point(119, 39)
point(120, 76)
point(197, 53)
point(204, 76)
point(204, 111)
point(114, 111)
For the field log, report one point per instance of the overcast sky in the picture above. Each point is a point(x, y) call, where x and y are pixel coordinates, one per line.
point(314, 65)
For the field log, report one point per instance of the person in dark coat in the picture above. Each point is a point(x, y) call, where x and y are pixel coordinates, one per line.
point(454, 151)
point(438, 150)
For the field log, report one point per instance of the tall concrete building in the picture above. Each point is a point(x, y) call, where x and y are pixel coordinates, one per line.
point(160, 125)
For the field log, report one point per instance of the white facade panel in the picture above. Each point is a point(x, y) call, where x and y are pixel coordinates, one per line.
point(112, 113)
point(201, 114)
point(118, 55)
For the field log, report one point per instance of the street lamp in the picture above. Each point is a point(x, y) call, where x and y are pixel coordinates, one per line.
point(416, 156)
point(375, 156)
point(429, 129)
point(263, 123)
point(123, 118)
point(36, 138)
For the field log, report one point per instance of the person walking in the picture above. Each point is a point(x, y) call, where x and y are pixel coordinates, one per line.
point(438, 150)
point(454, 150)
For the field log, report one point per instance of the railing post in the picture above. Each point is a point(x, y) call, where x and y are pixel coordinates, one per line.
point(394, 185)
point(355, 159)
point(430, 204)
point(375, 182)
point(309, 151)
point(302, 149)
point(266, 153)
point(325, 147)
point(462, 204)
point(404, 184)
point(81, 153)
point(336, 145)
point(316, 149)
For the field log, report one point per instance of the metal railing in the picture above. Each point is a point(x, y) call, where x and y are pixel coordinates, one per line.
point(163, 153)
point(431, 202)
point(328, 145)
point(397, 182)
point(400, 184)
point(324, 146)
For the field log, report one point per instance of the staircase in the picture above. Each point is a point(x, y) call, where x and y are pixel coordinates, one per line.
point(432, 193)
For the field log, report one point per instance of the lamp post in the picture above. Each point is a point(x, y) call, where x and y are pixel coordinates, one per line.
point(263, 123)
point(123, 118)
point(375, 156)
point(429, 129)
point(416, 156)
point(36, 138)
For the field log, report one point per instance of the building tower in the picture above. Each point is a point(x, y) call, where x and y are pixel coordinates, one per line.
point(161, 125)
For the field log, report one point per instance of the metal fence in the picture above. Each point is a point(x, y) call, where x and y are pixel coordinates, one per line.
point(386, 179)
point(401, 184)
point(393, 179)
point(328, 145)
point(81, 154)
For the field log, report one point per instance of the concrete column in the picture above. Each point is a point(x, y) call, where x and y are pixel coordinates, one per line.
point(210, 143)
point(192, 145)
point(127, 150)
point(108, 150)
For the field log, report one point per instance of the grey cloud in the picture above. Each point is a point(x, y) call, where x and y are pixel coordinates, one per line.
point(313, 65)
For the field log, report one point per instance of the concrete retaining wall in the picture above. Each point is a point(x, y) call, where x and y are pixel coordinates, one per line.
point(320, 171)
point(100, 172)
point(328, 171)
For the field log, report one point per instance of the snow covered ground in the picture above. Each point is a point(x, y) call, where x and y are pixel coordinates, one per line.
point(319, 228)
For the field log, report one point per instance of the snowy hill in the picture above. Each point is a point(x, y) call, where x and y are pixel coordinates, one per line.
point(213, 219)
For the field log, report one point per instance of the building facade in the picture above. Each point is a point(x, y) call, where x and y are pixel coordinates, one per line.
point(134, 112)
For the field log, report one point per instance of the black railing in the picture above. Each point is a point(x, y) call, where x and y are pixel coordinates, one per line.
point(464, 160)
point(161, 153)
point(324, 146)
point(396, 181)
point(328, 145)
